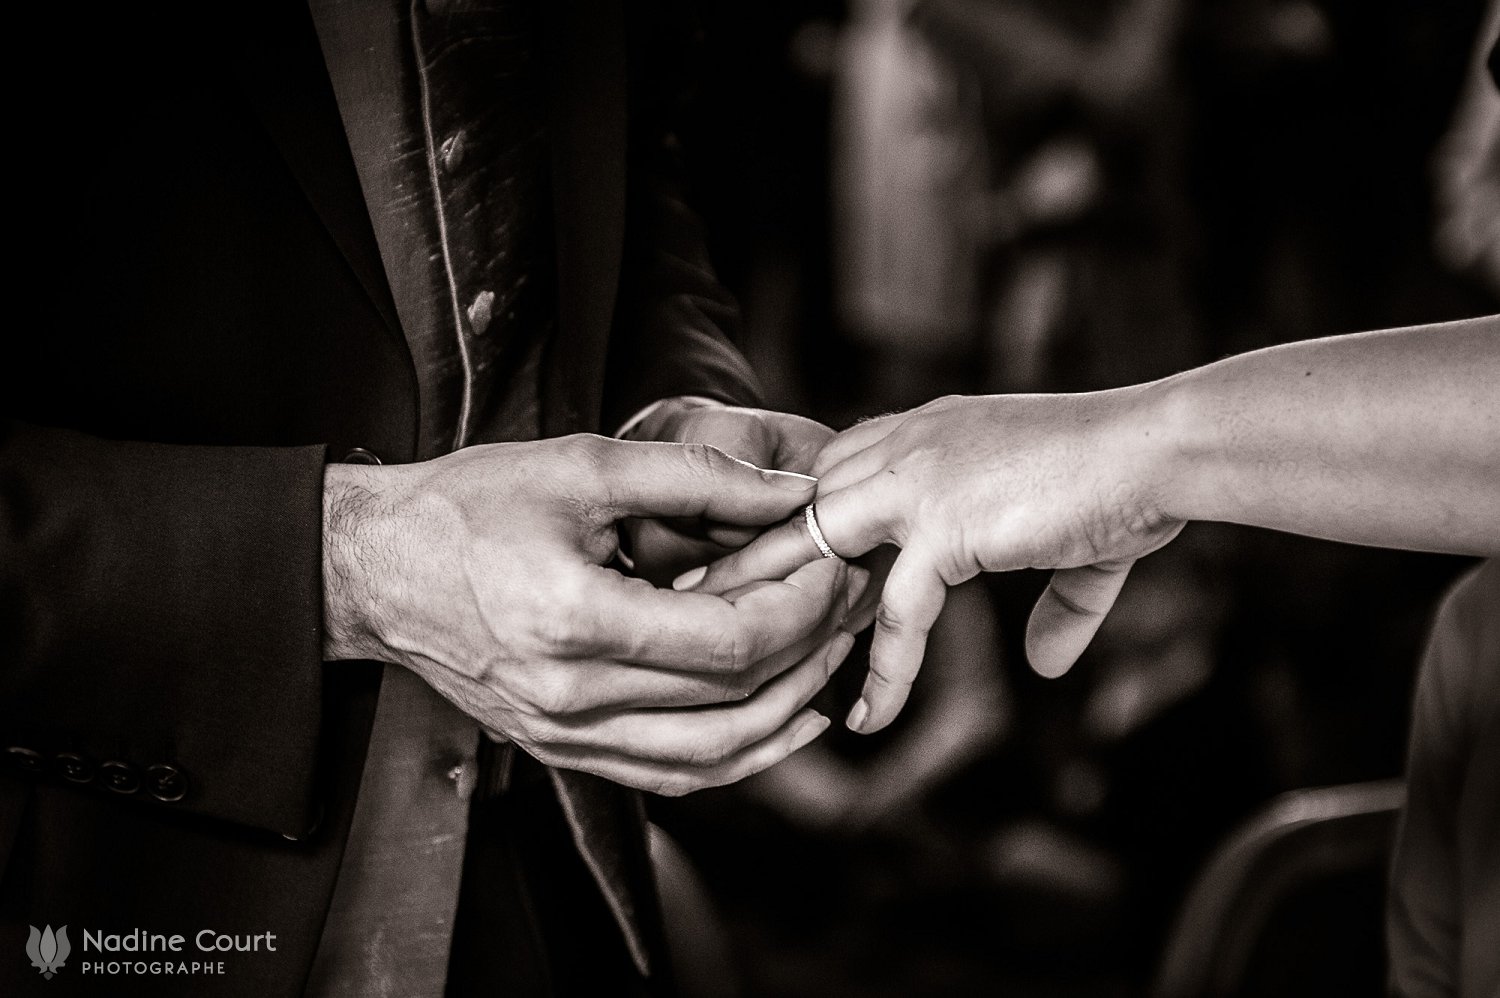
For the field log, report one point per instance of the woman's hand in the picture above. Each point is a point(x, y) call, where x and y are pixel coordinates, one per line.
point(1389, 438)
point(965, 485)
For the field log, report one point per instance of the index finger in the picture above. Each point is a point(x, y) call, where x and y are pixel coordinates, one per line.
point(695, 480)
point(633, 621)
point(854, 520)
point(773, 555)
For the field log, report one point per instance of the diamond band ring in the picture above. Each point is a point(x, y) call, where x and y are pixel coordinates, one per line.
point(811, 516)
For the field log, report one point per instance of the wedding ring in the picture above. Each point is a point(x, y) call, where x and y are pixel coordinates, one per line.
point(811, 516)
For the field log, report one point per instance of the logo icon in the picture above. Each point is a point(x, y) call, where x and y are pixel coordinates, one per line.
point(48, 952)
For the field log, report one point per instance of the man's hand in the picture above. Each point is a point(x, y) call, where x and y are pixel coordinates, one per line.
point(483, 573)
point(663, 548)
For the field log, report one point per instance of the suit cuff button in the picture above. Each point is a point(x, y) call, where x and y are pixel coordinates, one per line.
point(24, 760)
point(119, 777)
point(73, 767)
point(358, 455)
point(166, 783)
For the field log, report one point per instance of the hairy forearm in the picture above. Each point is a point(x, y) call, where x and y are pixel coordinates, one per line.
point(1389, 438)
point(353, 552)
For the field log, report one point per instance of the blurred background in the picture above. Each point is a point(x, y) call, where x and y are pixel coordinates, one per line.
point(913, 199)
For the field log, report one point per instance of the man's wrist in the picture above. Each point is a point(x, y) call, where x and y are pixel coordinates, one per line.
point(352, 556)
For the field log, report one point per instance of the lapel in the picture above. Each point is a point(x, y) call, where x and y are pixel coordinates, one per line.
point(587, 119)
point(279, 67)
point(586, 70)
point(608, 824)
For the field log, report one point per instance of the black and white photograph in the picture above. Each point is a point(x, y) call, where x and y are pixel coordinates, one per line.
point(752, 499)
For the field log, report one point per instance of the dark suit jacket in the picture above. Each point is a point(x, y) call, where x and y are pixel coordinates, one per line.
point(199, 321)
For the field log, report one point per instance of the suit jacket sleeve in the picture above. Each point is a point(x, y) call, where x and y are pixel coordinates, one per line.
point(161, 605)
point(676, 322)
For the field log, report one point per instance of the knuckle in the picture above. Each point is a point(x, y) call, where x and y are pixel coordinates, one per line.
point(706, 461)
point(709, 752)
point(587, 447)
point(588, 466)
point(676, 785)
point(884, 673)
point(555, 635)
point(730, 653)
point(555, 695)
point(582, 453)
point(940, 406)
point(888, 618)
point(562, 621)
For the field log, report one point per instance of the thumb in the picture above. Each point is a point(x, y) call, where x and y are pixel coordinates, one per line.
point(732, 432)
point(1068, 614)
point(696, 480)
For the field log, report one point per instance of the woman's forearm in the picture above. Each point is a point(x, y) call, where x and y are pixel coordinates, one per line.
point(1389, 438)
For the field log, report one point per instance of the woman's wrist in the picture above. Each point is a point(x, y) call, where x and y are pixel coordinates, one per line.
point(1171, 435)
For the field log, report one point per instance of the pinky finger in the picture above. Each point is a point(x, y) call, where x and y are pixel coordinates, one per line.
point(675, 780)
point(1069, 612)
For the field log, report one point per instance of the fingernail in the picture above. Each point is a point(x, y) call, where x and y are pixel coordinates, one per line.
point(811, 728)
point(690, 578)
point(838, 650)
point(858, 715)
point(789, 480)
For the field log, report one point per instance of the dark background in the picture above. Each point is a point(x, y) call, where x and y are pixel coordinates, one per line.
point(1266, 177)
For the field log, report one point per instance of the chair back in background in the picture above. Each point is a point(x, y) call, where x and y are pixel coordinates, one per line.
point(1292, 903)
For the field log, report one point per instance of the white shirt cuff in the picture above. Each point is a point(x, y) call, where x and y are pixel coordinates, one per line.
point(630, 424)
